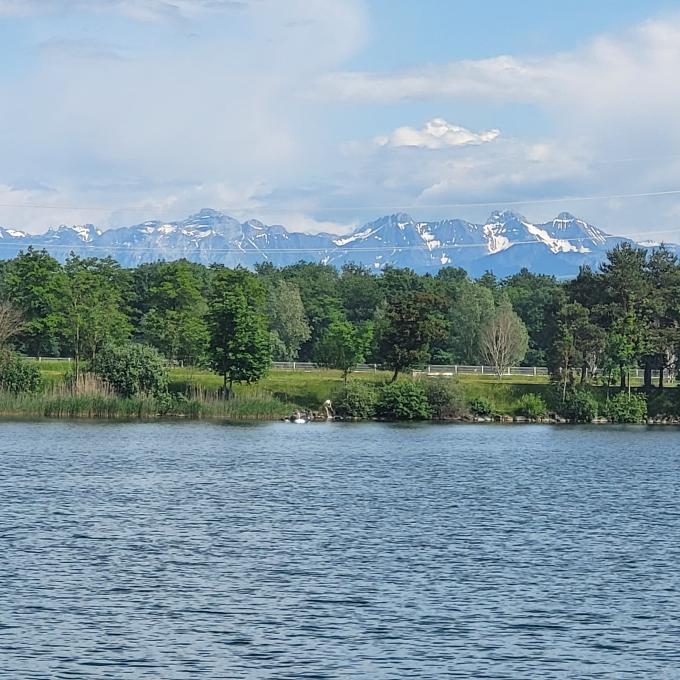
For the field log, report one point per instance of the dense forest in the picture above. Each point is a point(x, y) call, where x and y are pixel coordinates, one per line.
point(602, 323)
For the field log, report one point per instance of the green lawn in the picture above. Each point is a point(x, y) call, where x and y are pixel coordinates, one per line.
point(308, 389)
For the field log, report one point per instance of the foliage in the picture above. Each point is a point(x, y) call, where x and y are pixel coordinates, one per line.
point(172, 310)
point(90, 313)
point(239, 340)
point(503, 340)
point(411, 323)
point(470, 306)
point(132, 369)
point(446, 398)
point(402, 400)
point(578, 405)
point(482, 406)
point(18, 375)
point(599, 327)
point(343, 345)
point(626, 408)
point(530, 294)
point(34, 283)
point(356, 400)
point(287, 320)
point(531, 406)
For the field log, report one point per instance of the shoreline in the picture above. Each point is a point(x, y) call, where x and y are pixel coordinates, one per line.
point(252, 419)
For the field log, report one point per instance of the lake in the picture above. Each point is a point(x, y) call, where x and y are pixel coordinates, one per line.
point(181, 550)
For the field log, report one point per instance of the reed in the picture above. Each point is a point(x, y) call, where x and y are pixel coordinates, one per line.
point(89, 397)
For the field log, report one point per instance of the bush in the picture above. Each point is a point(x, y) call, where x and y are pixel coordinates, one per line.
point(531, 405)
point(18, 375)
point(356, 400)
point(132, 369)
point(663, 403)
point(579, 406)
point(481, 406)
point(403, 400)
point(627, 408)
point(446, 398)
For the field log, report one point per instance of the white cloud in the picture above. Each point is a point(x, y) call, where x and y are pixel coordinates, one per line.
point(177, 119)
point(436, 134)
point(645, 56)
point(143, 10)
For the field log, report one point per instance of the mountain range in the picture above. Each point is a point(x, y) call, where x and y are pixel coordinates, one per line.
point(505, 243)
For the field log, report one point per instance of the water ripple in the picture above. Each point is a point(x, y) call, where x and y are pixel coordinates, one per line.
point(134, 551)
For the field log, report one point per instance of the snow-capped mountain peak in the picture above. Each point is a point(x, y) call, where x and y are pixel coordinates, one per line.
point(504, 243)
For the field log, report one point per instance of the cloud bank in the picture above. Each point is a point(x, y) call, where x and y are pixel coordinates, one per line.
point(129, 109)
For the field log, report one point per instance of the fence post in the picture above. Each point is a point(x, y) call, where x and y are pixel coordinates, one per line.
point(455, 368)
point(482, 367)
point(293, 366)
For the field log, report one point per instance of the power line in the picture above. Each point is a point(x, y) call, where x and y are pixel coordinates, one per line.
point(330, 249)
point(354, 208)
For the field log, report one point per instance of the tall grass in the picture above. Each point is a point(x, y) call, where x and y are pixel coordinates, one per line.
point(89, 397)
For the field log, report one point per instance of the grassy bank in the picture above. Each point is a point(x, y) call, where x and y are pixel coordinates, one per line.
point(194, 394)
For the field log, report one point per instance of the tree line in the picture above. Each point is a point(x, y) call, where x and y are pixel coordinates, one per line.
point(606, 321)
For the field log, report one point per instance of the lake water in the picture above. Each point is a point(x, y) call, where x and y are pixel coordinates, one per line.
point(184, 550)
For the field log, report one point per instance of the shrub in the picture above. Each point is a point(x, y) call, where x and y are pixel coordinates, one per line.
point(579, 406)
point(663, 403)
point(627, 408)
point(356, 400)
point(531, 405)
point(132, 369)
point(446, 398)
point(481, 406)
point(403, 400)
point(18, 375)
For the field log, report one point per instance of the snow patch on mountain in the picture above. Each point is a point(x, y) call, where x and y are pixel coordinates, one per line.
point(506, 242)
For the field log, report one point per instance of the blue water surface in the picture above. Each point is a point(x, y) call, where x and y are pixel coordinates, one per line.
point(185, 550)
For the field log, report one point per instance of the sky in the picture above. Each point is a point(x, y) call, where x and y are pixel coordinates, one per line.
point(324, 114)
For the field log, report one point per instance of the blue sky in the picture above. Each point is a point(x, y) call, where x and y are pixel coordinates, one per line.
point(323, 114)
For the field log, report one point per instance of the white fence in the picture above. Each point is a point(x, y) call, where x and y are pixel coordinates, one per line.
point(636, 374)
point(456, 369)
point(310, 366)
point(434, 369)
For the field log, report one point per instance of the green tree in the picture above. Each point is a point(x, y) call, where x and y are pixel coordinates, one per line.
point(91, 308)
point(131, 369)
point(239, 338)
point(626, 310)
point(287, 320)
point(34, 283)
point(319, 291)
point(470, 307)
point(343, 345)
point(360, 292)
point(529, 295)
point(174, 308)
point(411, 323)
point(663, 305)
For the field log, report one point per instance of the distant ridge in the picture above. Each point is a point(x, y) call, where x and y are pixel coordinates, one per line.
point(505, 243)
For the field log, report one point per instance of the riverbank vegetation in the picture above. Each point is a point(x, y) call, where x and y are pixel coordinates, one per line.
point(179, 338)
